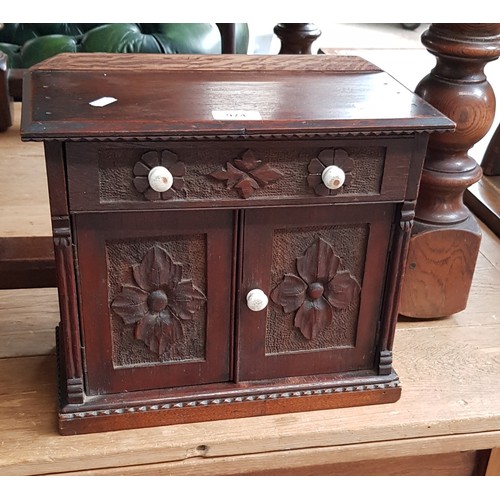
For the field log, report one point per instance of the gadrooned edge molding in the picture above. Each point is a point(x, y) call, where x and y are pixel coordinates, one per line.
point(228, 400)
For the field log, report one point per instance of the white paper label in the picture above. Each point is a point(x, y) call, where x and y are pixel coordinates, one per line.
point(236, 114)
point(103, 101)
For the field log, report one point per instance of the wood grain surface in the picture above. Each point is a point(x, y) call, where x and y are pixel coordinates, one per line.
point(450, 403)
point(185, 105)
point(24, 210)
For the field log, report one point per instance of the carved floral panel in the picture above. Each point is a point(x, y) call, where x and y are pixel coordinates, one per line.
point(319, 287)
point(247, 174)
point(158, 301)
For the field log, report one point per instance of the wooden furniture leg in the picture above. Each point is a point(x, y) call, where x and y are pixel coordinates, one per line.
point(228, 37)
point(491, 159)
point(445, 238)
point(483, 198)
point(296, 38)
point(5, 101)
point(16, 76)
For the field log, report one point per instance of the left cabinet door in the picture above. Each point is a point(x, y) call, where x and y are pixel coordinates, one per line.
point(155, 292)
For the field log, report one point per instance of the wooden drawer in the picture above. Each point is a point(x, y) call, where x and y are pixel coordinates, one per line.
point(114, 176)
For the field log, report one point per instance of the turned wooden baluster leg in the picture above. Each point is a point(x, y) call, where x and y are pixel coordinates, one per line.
point(5, 101)
point(445, 240)
point(228, 37)
point(491, 159)
point(296, 38)
point(493, 468)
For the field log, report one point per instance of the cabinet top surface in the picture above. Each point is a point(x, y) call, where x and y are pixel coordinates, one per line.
point(160, 95)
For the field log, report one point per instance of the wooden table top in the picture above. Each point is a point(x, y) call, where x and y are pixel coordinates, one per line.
point(24, 207)
point(449, 370)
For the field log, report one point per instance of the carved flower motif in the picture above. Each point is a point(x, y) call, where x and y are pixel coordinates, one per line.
point(326, 158)
point(160, 301)
point(153, 159)
point(247, 174)
point(318, 289)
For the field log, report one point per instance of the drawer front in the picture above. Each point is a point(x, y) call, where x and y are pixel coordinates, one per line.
point(115, 176)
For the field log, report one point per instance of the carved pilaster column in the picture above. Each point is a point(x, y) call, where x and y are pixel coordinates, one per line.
point(69, 344)
point(445, 241)
point(401, 240)
point(296, 38)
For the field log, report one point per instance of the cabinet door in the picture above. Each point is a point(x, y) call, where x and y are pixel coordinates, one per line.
point(323, 270)
point(156, 294)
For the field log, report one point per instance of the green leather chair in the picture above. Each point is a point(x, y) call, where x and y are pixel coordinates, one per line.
point(27, 44)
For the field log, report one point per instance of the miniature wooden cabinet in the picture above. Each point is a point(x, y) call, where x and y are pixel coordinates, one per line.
point(230, 232)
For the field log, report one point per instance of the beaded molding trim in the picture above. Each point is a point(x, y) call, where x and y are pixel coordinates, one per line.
point(229, 400)
point(243, 136)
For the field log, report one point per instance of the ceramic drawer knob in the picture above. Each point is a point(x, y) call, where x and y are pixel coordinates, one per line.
point(160, 179)
point(257, 300)
point(333, 177)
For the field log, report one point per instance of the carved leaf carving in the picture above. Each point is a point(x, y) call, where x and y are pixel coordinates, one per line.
point(291, 293)
point(248, 162)
point(247, 174)
point(159, 331)
point(319, 263)
point(265, 175)
point(131, 305)
point(157, 270)
point(246, 187)
point(313, 316)
point(341, 290)
point(230, 174)
point(158, 301)
point(186, 299)
point(319, 288)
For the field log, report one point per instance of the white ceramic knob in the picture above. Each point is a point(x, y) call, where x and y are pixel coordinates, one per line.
point(333, 177)
point(160, 179)
point(257, 300)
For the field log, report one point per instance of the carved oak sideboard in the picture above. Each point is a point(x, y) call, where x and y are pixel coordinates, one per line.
point(229, 232)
